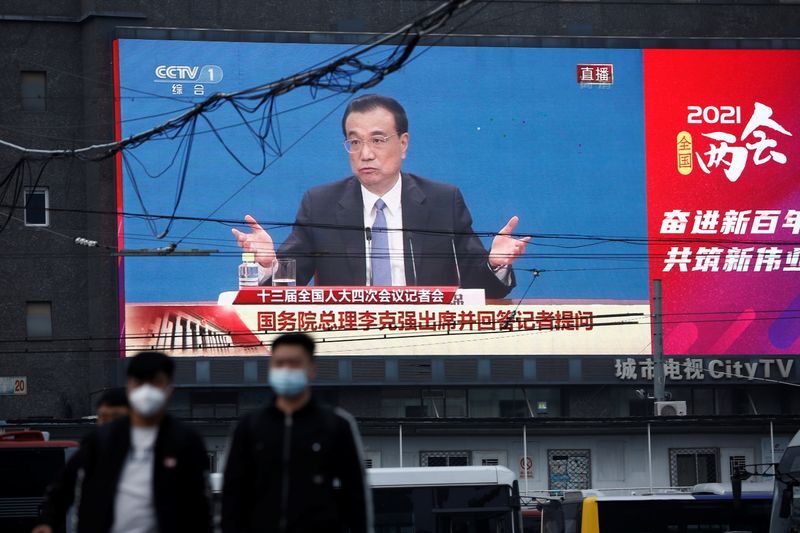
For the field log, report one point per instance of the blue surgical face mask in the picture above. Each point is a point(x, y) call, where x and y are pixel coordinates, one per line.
point(288, 381)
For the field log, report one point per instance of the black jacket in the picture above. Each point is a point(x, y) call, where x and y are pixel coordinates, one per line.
point(60, 495)
point(296, 474)
point(180, 480)
point(328, 243)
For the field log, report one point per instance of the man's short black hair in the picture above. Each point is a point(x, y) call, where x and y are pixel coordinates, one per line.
point(368, 102)
point(296, 339)
point(145, 366)
point(113, 398)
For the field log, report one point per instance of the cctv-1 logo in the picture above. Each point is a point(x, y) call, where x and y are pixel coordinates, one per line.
point(188, 73)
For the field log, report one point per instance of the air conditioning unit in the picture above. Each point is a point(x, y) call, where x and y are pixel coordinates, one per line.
point(670, 408)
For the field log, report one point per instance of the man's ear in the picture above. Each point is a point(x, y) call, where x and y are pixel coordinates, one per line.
point(404, 138)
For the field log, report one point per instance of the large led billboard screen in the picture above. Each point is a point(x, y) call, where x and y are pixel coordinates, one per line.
point(624, 165)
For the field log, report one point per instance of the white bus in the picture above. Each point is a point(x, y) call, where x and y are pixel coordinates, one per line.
point(706, 508)
point(458, 499)
point(786, 503)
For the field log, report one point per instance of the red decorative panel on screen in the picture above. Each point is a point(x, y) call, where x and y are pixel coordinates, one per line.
point(723, 187)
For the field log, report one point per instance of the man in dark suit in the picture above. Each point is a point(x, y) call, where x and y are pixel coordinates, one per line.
point(382, 226)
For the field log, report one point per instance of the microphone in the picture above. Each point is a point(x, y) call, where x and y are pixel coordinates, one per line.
point(413, 263)
point(455, 257)
point(368, 234)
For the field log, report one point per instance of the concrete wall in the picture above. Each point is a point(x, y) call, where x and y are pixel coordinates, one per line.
point(616, 460)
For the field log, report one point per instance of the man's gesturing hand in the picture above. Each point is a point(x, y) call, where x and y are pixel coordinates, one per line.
point(257, 241)
point(505, 248)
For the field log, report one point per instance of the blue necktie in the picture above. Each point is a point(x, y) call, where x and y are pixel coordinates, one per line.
point(381, 266)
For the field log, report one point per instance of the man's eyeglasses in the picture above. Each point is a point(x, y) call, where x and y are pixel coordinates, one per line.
point(376, 142)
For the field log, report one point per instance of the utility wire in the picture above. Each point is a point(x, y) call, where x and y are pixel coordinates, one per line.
point(599, 238)
point(346, 74)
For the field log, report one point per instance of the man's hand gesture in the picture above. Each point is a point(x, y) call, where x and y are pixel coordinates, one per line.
point(257, 241)
point(505, 248)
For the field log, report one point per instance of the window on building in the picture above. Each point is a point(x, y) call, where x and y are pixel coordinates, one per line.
point(39, 319)
point(690, 466)
point(33, 89)
point(444, 458)
point(398, 403)
point(433, 403)
point(569, 469)
point(511, 402)
point(220, 404)
point(251, 371)
point(252, 400)
point(764, 400)
point(328, 396)
point(515, 408)
point(702, 402)
point(455, 402)
point(202, 371)
point(417, 403)
point(37, 203)
point(496, 402)
point(180, 404)
point(543, 401)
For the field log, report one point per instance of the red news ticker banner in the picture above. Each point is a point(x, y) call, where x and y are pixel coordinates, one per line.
point(197, 329)
point(419, 319)
point(346, 295)
point(723, 188)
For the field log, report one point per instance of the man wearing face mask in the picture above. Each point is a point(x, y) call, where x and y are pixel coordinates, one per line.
point(146, 473)
point(60, 495)
point(295, 466)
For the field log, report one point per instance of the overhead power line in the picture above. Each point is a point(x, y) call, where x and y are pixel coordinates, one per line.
point(594, 239)
point(345, 74)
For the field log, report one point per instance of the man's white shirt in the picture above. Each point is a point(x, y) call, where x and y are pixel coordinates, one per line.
point(394, 223)
point(134, 511)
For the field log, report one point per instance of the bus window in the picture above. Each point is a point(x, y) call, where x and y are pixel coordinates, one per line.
point(482, 509)
point(684, 515)
point(531, 520)
point(473, 499)
point(561, 517)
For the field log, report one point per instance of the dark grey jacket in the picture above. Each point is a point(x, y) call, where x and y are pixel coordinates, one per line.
point(180, 480)
point(302, 473)
point(328, 239)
